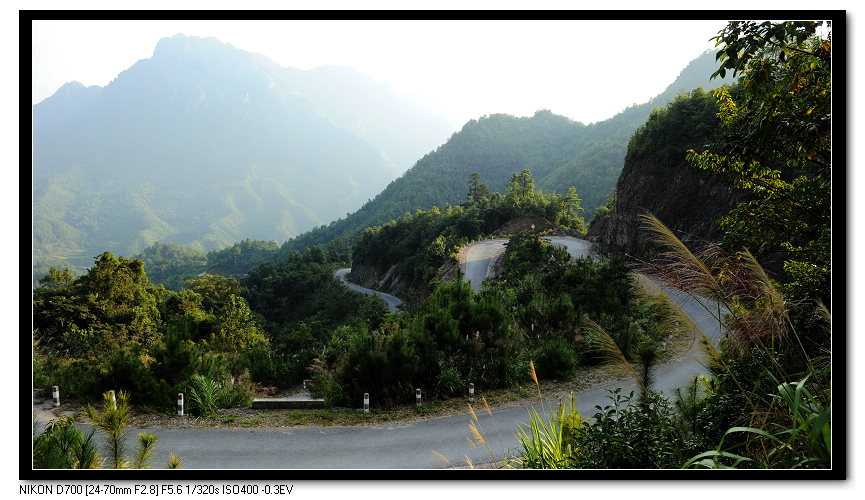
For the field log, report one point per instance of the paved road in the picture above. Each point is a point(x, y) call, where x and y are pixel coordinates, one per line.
point(478, 258)
point(403, 446)
point(576, 247)
point(393, 303)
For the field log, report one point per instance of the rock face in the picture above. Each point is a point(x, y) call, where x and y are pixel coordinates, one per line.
point(656, 178)
point(687, 200)
point(383, 279)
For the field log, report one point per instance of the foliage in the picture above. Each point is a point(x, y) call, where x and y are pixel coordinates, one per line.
point(627, 435)
point(670, 131)
point(603, 211)
point(549, 444)
point(760, 352)
point(112, 327)
point(805, 443)
point(776, 142)
point(203, 396)
point(113, 420)
point(542, 441)
point(63, 446)
point(171, 264)
point(422, 242)
point(239, 258)
point(556, 359)
point(111, 306)
point(207, 396)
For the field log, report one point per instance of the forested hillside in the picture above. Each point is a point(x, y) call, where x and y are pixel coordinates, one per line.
point(559, 152)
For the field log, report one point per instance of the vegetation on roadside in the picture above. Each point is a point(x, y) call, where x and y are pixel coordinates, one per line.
point(62, 445)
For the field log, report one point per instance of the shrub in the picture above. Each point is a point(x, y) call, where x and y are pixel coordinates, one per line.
point(79, 379)
point(326, 387)
point(628, 435)
point(207, 396)
point(450, 382)
point(203, 396)
point(556, 359)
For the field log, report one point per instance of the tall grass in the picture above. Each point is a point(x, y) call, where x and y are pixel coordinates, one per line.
point(756, 324)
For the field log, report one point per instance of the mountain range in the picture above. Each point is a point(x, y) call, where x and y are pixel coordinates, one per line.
point(205, 144)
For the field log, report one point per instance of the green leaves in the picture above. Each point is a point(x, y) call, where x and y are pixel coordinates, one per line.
point(805, 443)
point(775, 141)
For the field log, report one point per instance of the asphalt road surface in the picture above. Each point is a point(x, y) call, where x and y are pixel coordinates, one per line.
point(478, 257)
point(393, 303)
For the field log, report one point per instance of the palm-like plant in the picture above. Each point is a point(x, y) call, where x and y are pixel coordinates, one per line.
point(63, 446)
point(112, 420)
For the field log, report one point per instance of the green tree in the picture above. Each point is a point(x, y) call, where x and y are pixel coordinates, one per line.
point(56, 278)
point(776, 142)
point(214, 291)
point(478, 193)
point(521, 189)
point(236, 328)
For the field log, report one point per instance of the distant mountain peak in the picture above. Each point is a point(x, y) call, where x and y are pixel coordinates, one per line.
point(207, 143)
point(180, 44)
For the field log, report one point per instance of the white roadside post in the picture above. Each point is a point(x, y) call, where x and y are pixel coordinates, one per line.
point(417, 396)
point(180, 404)
point(471, 393)
point(55, 394)
point(366, 402)
point(113, 400)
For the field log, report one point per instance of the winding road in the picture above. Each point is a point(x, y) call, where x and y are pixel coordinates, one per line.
point(406, 446)
point(393, 303)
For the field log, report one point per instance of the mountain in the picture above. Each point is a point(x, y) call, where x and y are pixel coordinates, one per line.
point(205, 144)
point(657, 178)
point(559, 152)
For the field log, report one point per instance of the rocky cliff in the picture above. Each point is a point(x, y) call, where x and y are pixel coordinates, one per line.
point(657, 179)
point(687, 200)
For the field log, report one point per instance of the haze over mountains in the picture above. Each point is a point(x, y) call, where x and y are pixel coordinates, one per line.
point(205, 144)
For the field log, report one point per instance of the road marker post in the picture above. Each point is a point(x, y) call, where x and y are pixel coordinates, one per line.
point(113, 400)
point(366, 402)
point(417, 396)
point(471, 393)
point(55, 394)
point(180, 404)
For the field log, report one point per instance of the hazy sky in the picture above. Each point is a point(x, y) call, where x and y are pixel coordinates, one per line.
point(586, 70)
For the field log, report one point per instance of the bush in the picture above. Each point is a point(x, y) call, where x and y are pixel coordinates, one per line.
point(326, 387)
point(127, 371)
point(269, 368)
point(629, 434)
point(389, 366)
point(79, 379)
point(206, 396)
point(450, 382)
point(556, 359)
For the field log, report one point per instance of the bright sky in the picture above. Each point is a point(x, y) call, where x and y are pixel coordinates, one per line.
point(586, 70)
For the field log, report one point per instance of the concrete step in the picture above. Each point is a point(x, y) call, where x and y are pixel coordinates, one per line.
point(298, 401)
